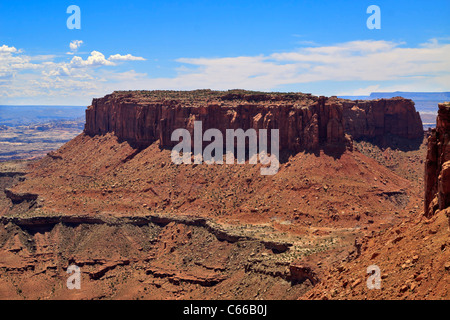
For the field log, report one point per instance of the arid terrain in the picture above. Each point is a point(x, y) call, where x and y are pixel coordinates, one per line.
point(349, 193)
point(34, 141)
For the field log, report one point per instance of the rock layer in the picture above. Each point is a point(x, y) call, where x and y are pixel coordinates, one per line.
point(437, 165)
point(305, 122)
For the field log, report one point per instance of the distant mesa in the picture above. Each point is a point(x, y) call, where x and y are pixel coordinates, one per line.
point(426, 103)
point(415, 96)
point(444, 96)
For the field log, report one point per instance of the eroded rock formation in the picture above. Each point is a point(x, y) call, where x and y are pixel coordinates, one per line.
point(437, 166)
point(374, 118)
point(305, 121)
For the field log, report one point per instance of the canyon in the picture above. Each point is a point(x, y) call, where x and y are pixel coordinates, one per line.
point(352, 175)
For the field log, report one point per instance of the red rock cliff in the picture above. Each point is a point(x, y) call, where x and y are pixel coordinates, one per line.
point(304, 121)
point(372, 118)
point(437, 165)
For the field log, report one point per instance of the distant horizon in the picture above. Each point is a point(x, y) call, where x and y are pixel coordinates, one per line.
point(368, 95)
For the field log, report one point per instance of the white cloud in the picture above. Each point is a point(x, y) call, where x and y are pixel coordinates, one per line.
point(47, 79)
point(361, 91)
point(369, 61)
point(127, 57)
point(95, 59)
point(59, 70)
point(74, 45)
point(355, 61)
point(11, 63)
point(365, 66)
point(98, 59)
point(5, 49)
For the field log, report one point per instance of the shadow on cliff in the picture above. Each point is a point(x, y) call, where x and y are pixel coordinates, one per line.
point(394, 142)
point(332, 150)
point(335, 150)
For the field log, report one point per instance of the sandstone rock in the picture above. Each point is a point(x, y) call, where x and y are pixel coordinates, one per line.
point(305, 121)
point(301, 272)
point(404, 288)
point(369, 119)
point(356, 283)
point(206, 279)
point(437, 165)
point(17, 197)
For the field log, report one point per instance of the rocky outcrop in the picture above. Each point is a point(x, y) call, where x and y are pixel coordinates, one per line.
point(375, 118)
point(218, 230)
point(305, 121)
point(18, 197)
point(437, 165)
point(206, 279)
point(301, 272)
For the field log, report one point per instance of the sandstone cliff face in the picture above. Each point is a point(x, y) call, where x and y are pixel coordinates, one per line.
point(305, 121)
point(437, 165)
point(374, 118)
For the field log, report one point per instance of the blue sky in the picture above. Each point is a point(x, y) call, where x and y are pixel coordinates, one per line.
point(321, 47)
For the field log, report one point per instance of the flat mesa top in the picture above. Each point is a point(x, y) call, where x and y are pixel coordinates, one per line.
point(211, 96)
point(444, 106)
point(230, 98)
